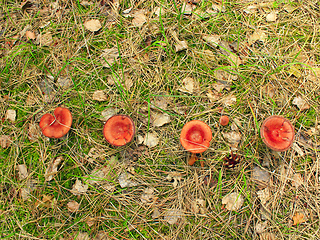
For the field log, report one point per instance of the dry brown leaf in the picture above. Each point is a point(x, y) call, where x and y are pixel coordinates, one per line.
point(198, 206)
point(125, 180)
point(224, 76)
point(299, 217)
point(22, 171)
point(151, 140)
point(213, 40)
point(73, 206)
point(188, 85)
point(172, 216)
point(100, 96)
point(187, 8)
point(109, 56)
point(161, 119)
point(30, 35)
point(28, 188)
point(176, 177)
point(213, 96)
point(251, 9)
point(31, 100)
point(148, 196)
point(298, 149)
point(86, 3)
point(300, 103)
point(64, 82)
point(5, 141)
point(93, 25)
point(33, 132)
point(260, 227)
point(46, 201)
point(229, 100)
point(139, 18)
point(78, 188)
point(271, 17)
point(11, 115)
point(108, 113)
point(44, 39)
point(219, 86)
point(90, 222)
point(260, 176)
point(52, 169)
point(160, 101)
point(233, 138)
point(258, 35)
point(233, 201)
point(156, 213)
point(181, 45)
point(297, 180)
point(267, 236)
point(264, 195)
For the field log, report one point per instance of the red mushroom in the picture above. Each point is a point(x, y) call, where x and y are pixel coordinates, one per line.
point(119, 130)
point(195, 137)
point(58, 125)
point(224, 120)
point(277, 133)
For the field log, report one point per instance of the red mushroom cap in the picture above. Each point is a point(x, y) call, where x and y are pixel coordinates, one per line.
point(58, 125)
point(224, 120)
point(196, 136)
point(277, 133)
point(119, 130)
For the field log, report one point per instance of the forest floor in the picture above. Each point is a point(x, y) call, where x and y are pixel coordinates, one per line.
point(163, 63)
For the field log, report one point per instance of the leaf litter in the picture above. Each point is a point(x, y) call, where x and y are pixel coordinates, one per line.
point(79, 188)
point(52, 168)
point(233, 201)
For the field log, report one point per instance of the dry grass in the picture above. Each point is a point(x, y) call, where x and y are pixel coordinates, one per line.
point(265, 86)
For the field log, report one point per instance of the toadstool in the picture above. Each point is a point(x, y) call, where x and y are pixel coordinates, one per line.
point(277, 133)
point(119, 130)
point(195, 137)
point(224, 120)
point(58, 125)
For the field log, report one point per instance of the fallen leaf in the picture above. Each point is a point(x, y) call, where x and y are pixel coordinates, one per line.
point(90, 222)
point(181, 45)
point(31, 100)
point(100, 96)
point(64, 82)
point(86, 3)
point(30, 35)
point(293, 70)
point(5, 141)
point(125, 180)
point(156, 213)
point(151, 140)
point(161, 119)
point(264, 195)
point(188, 85)
point(78, 188)
point(157, 11)
point(108, 113)
point(260, 176)
point(33, 132)
point(139, 18)
point(298, 149)
point(299, 217)
point(219, 86)
point(160, 101)
point(11, 115)
point(271, 17)
point(297, 180)
point(258, 35)
point(109, 56)
point(224, 76)
point(267, 236)
point(229, 100)
point(213, 96)
point(44, 39)
point(81, 236)
point(45, 202)
point(213, 40)
point(250, 9)
point(22, 171)
point(147, 195)
point(52, 169)
point(233, 138)
point(233, 201)
point(73, 206)
point(176, 177)
point(172, 216)
point(28, 188)
point(187, 8)
point(93, 25)
point(198, 206)
point(300, 103)
point(260, 227)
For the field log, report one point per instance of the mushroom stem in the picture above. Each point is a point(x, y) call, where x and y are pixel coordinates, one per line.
point(201, 160)
point(192, 159)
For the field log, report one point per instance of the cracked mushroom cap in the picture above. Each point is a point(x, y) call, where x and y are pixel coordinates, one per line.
point(196, 136)
point(58, 125)
point(119, 130)
point(277, 133)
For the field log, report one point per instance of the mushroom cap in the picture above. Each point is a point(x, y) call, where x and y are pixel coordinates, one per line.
point(58, 125)
point(224, 120)
point(277, 133)
point(119, 130)
point(196, 136)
